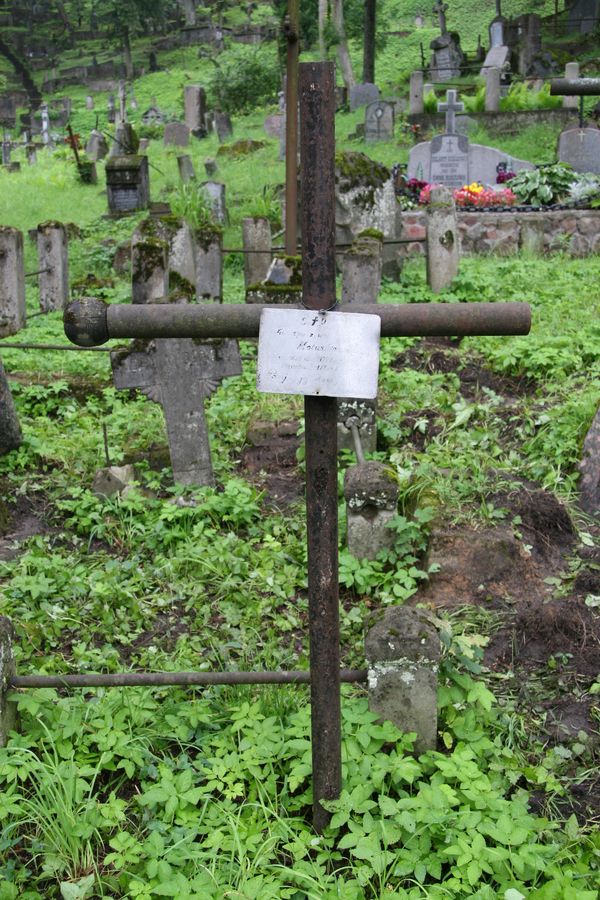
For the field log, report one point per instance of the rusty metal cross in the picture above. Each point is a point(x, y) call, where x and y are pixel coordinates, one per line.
point(89, 322)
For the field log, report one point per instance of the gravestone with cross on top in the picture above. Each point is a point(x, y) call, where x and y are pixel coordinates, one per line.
point(318, 342)
point(579, 147)
point(450, 151)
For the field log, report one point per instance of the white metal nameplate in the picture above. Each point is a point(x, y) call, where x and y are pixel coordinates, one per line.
point(330, 354)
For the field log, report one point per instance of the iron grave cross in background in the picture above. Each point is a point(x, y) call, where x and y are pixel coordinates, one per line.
point(89, 322)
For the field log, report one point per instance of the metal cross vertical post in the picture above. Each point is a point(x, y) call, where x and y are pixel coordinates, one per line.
point(317, 144)
point(292, 28)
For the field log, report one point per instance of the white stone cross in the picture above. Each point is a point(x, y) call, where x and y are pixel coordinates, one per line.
point(451, 107)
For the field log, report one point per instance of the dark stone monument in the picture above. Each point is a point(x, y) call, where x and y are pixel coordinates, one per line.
point(127, 184)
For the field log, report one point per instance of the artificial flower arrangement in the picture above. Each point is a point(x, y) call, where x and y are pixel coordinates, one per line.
point(474, 195)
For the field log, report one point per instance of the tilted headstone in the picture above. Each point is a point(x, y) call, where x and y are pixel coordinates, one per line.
point(215, 191)
point(97, 146)
point(362, 94)
point(186, 168)
point(53, 264)
point(194, 101)
point(223, 126)
point(442, 240)
point(497, 57)
point(361, 270)
point(403, 653)
point(379, 121)
point(580, 148)
point(12, 281)
point(256, 240)
point(589, 469)
point(127, 184)
point(176, 134)
point(371, 494)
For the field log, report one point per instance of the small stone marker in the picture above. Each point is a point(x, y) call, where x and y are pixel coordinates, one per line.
point(186, 168)
point(273, 125)
point(379, 121)
point(97, 146)
point(31, 152)
point(53, 264)
point(215, 191)
point(580, 147)
point(210, 166)
point(12, 281)
point(208, 253)
point(223, 126)
point(127, 183)
point(8, 709)
point(179, 374)
point(176, 134)
point(371, 494)
point(362, 94)
point(111, 110)
point(361, 270)
point(256, 239)
point(194, 101)
point(403, 653)
point(416, 94)
point(590, 470)
point(45, 123)
point(442, 240)
point(6, 153)
point(89, 102)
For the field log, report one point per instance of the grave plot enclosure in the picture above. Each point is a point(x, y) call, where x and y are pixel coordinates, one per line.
point(89, 322)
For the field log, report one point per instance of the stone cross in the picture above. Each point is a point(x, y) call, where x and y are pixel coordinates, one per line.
point(451, 106)
point(441, 9)
point(180, 374)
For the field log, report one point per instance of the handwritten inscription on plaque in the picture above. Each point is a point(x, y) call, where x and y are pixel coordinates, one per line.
point(328, 354)
point(450, 160)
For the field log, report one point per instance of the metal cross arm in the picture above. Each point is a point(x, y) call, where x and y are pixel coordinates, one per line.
point(89, 322)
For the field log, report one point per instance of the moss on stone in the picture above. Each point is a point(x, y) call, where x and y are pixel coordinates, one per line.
point(207, 235)
point(357, 170)
point(371, 233)
point(151, 254)
point(180, 286)
point(240, 148)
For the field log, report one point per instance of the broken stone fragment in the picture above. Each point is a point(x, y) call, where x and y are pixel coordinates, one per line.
point(112, 480)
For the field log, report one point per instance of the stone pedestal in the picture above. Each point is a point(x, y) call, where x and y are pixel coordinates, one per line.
point(492, 89)
point(371, 494)
point(12, 281)
point(361, 270)
point(403, 651)
point(8, 709)
point(208, 251)
point(442, 240)
point(149, 270)
point(127, 184)
point(416, 95)
point(53, 263)
point(256, 240)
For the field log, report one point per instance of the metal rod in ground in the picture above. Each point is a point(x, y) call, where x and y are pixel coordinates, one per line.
point(352, 424)
point(167, 679)
point(292, 27)
point(317, 148)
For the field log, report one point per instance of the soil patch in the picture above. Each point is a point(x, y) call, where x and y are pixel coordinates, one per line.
point(270, 461)
point(20, 519)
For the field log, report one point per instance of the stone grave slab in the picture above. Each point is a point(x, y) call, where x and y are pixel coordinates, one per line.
point(580, 147)
point(362, 94)
point(176, 134)
point(379, 121)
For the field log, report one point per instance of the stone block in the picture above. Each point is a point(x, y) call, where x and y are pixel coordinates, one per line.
point(12, 281)
point(371, 494)
point(53, 265)
point(403, 652)
point(442, 240)
point(256, 240)
point(112, 480)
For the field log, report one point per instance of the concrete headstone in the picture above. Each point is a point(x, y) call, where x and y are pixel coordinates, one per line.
point(379, 121)
point(362, 94)
point(580, 147)
point(176, 134)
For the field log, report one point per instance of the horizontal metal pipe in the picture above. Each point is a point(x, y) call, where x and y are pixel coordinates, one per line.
point(575, 87)
point(89, 322)
point(166, 679)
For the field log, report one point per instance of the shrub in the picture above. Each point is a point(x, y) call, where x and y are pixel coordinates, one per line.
point(249, 78)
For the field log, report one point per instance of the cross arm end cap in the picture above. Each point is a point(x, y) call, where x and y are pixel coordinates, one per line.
point(85, 322)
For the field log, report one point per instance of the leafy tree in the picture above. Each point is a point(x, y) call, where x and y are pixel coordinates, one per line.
point(130, 17)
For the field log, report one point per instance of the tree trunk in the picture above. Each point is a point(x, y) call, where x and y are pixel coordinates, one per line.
point(10, 431)
point(337, 9)
point(127, 55)
point(369, 41)
point(323, 10)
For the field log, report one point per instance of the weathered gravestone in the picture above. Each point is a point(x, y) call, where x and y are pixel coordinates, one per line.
point(6, 153)
point(371, 492)
point(362, 94)
point(12, 281)
point(53, 262)
point(97, 146)
point(223, 126)
point(176, 134)
point(127, 184)
point(379, 121)
point(215, 192)
point(153, 115)
point(186, 168)
point(194, 101)
point(256, 238)
point(126, 142)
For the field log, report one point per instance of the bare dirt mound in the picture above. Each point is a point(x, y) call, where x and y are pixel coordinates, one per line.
point(270, 461)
